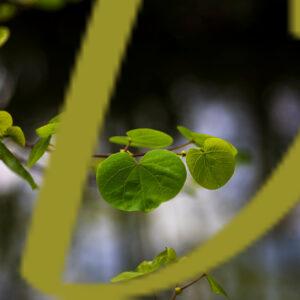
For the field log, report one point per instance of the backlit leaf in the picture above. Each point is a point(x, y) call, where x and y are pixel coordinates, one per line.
point(213, 164)
point(47, 130)
point(188, 134)
point(126, 276)
point(6, 121)
point(149, 138)
point(16, 134)
point(200, 138)
point(162, 259)
point(144, 138)
point(197, 138)
point(4, 35)
point(131, 185)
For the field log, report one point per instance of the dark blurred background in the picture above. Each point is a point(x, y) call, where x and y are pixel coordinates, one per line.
point(226, 68)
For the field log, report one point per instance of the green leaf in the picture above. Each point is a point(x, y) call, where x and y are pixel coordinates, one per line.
point(47, 130)
point(38, 151)
point(13, 163)
point(4, 35)
point(162, 259)
point(7, 11)
point(6, 121)
point(50, 128)
point(126, 276)
point(197, 138)
point(144, 138)
point(16, 134)
point(200, 138)
point(55, 119)
point(234, 151)
point(215, 286)
point(49, 4)
point(121, 140)
point(188, 134)
point(243, 157)
point(143, 185)
point(213, 164)
point(149, 138)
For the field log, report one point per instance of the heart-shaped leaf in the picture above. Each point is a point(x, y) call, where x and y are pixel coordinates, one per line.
point(16, 134)
point(143, 185)
point(144, 138)
point(162, 259)
point(213, 164)
point(13, 163)
point(6, 121)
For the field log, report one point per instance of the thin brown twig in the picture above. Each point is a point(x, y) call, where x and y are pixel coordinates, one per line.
point(138, 154)
point(179, 289)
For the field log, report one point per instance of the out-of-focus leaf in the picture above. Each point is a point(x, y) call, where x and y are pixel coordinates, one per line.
point(38, 151)
point(13, 163)
point(49, 4)
point(215, 286)
point(7, 11)
point(162, 259)
point(47, 130)
point(16, 134)
point(4, 35)
point(200, 138)
point(6, 121)
point(243, 157)
point(50, 128)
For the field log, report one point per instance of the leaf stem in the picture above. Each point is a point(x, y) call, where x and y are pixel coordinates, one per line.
point(179, 289)
point(138, 154)
point(181, 146)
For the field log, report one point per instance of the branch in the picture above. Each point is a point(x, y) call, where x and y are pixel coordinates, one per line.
point(178, 290)
point(105, 155)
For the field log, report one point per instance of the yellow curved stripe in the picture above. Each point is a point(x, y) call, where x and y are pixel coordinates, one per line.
point(59, 199)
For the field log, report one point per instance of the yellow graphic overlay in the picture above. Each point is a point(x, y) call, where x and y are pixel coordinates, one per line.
point(59, 199)
point(294, 18)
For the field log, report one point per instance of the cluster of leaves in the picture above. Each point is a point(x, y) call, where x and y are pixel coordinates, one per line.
point(163, 259)
point(138, 181)
point(143, 181)
point(132, 184)
point(15, 133)
point(45, 134)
